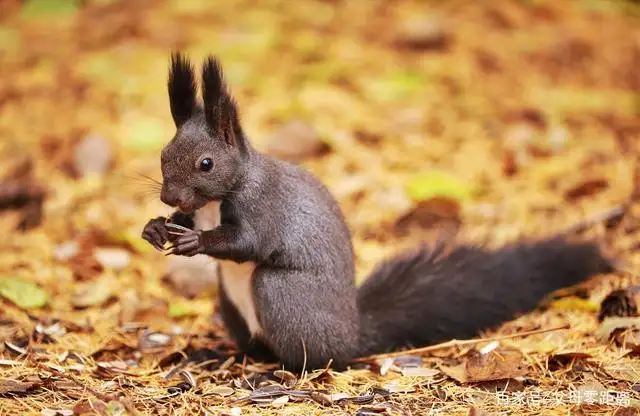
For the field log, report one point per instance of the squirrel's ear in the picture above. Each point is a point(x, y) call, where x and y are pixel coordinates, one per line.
point(182, 88)
point(219, 107)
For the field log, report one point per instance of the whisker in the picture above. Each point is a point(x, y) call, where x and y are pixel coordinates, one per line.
point(177, 232)
point(149, 178)
point(141, 177)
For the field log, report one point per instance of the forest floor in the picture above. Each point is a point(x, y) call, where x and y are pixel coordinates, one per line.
point(487, 121)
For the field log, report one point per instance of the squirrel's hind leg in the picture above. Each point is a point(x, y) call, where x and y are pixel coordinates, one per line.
point(301, 326)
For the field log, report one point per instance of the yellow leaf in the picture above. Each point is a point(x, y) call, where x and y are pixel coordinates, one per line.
point(132, 239)
point(437, 184)
point(575, 304)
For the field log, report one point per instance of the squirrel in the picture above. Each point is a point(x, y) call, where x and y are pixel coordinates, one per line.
point(287, 273)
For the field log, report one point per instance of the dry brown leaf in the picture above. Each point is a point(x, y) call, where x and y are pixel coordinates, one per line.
point(90, 406)
point(9, 385)
point(222, 391)
point(587, 188)
point(498, 364)
point(474, 411)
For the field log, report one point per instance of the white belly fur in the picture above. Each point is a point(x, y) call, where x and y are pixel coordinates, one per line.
point(236, 277)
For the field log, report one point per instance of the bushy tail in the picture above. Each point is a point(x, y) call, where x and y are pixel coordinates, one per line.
point(432, 295)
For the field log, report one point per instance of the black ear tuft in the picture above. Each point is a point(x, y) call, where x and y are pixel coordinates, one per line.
point(219, 107)
point(182, 88)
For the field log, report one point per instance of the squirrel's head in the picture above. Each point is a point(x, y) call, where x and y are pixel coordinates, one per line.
point(205, 160)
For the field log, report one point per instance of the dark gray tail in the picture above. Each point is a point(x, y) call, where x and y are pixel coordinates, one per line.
point(431, 295)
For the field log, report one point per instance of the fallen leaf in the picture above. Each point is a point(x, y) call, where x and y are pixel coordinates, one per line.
point(130, 239)
point(181, 309)
point(572, 303)
point(114, 258)
point(286, 378)
point(222, 391)
point(109, 369)
point(94, 293)
point(295, 142)
point(587, 188)
point(498, 364)
point(90, 406)
point(9, 385)
point(323, 376)
point(440, 212)
point(437, 184)
point(23, 293)
point(322, 398)
point(474, 411)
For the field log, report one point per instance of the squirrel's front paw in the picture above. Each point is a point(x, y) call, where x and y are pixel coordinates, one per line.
point(156, 233)
point(188, 244)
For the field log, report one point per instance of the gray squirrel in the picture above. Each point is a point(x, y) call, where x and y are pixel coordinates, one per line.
point(286, 288)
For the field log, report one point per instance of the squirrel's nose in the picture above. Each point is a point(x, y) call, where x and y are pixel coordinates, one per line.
point(171, 196)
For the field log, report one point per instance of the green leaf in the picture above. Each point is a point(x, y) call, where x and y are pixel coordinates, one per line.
point(397, 85)
point(193, 307)
point(181, 309)
point(23, 293)
point(437, 184)
point(38, 8)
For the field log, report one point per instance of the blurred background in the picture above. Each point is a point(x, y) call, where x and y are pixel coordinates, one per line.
point(486, 120)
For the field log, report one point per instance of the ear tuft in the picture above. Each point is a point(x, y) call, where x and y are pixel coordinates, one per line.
point(219, 106)
point(182, 88)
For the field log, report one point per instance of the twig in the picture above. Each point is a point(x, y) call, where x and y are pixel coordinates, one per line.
point(459, 343)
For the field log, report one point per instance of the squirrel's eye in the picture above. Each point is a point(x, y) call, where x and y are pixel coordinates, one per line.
point(206, 165)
